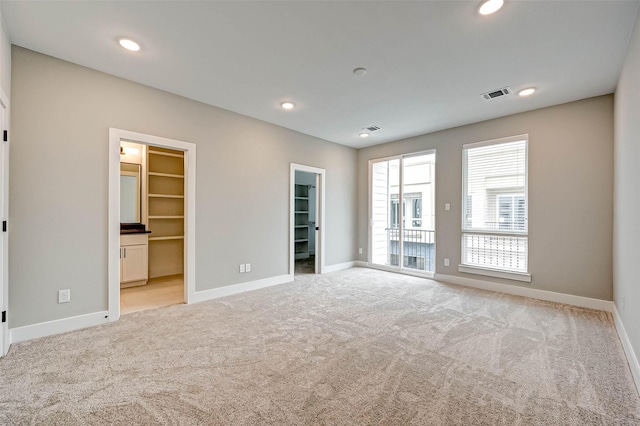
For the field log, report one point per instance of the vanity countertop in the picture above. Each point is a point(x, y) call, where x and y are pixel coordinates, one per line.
point(133, 231)
point(133, 228)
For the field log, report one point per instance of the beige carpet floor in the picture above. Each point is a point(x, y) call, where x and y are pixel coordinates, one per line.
point(356, 347)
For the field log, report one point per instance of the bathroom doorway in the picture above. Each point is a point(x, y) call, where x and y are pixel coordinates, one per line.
point(151, 222)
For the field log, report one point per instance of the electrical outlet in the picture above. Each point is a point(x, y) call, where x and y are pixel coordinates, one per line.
point(64, 296)
point(242, 268)
point(360, 250)
point(447, 206)
point(247, 267)
point(446, 262)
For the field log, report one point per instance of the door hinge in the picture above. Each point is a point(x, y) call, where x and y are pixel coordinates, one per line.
point(4, 226)
point(6, 135)
point(4, 316)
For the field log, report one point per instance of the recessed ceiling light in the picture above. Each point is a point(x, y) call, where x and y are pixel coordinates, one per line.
point(287, 105)
point(526, 92)
point(129, 44)
point(363, 134)
point(360, 71)
point(487, 7)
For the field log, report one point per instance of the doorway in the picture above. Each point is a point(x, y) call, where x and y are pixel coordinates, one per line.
point(158, 267)
point(306, 231)
point(402, 213)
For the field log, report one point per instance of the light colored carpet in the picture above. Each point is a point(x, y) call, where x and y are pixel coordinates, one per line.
point(352, 347)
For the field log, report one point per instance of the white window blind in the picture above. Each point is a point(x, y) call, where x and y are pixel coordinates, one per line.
point(495, 205)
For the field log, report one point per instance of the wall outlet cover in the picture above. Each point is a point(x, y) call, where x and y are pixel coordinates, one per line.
point(247, 267)
point(64, 296)
point(242, 268)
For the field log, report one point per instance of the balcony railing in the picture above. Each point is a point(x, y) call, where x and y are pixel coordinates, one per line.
point(418, 248)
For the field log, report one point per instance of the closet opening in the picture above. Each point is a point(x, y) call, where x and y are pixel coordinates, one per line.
point(306, 220)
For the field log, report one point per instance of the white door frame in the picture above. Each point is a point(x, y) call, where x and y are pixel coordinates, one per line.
point(320, 202)
point(4, 209)
point(115, 136)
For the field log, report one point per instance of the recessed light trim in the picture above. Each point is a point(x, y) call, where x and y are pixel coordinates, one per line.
point(487, 7)
point(287, 105)
point(526, 92)
point(129, 44)
point(363, 135)
point(360, 71)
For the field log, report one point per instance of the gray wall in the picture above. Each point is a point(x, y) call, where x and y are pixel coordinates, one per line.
point(570, 192)
point(5, 60)
point(626, 237)
point(61, 114)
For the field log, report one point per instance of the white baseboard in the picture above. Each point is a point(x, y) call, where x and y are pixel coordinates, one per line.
point(338, 267)
point(48, 328)
point(632, 359)
point(214, 293)
point(550, 296)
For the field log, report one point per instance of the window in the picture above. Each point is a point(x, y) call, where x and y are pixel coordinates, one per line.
point(494, 224)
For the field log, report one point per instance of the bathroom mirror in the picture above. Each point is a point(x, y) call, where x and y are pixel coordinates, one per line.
point(129, 193)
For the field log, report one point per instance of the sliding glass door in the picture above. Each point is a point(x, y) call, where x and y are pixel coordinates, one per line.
point(402, 222)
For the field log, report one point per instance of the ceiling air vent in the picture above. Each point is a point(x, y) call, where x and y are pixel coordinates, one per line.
point(372, 128)
point(497, 93)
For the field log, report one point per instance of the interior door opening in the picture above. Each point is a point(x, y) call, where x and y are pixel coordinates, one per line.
point(305, 222)
point(306, 233)
point(151, 222)
point(152, 206)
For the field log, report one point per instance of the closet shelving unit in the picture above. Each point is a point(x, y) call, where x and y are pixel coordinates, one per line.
point(165, 209)
point(301, 223)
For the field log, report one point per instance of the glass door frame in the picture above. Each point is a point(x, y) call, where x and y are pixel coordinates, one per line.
point(401, 216)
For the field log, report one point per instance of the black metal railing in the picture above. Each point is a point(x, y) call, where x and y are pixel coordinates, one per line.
point(418, 248)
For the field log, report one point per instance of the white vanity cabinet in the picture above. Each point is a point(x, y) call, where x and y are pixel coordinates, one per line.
point(134, 255)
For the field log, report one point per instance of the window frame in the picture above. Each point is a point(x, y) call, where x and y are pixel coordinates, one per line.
point(467, 230)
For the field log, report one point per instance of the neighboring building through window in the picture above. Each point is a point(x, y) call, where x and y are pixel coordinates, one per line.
point(494, 224)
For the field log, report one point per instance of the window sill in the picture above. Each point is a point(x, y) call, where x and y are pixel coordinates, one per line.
point(509, 275)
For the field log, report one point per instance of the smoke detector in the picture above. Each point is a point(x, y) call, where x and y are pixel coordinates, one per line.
point(497, 93)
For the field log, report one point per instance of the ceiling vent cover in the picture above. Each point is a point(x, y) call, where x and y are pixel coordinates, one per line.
point(372, 128)
point(497, 93)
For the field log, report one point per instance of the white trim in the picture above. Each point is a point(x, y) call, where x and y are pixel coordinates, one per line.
point(215, 293)
point(632, 359)
point(64, 325)
point(115, 136)
point(516, 138)
point(320, 222)
point(339, 267)
point(550, 296)
point(509, 275)
point(5, 337)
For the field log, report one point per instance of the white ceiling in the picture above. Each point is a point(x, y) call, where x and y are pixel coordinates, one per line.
point(428, 62)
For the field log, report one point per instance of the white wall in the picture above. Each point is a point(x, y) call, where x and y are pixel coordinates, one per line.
point(626, 237)
point(570, 193)
point(59, 182)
